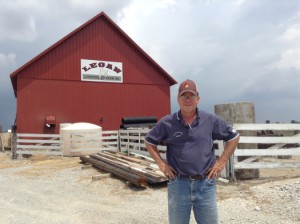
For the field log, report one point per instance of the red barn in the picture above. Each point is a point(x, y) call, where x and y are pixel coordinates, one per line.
point(96, 74)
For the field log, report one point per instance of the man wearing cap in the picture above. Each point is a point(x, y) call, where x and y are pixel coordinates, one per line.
point(191, 165)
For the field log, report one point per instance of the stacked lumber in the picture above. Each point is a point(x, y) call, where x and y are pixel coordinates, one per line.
point(137, 170)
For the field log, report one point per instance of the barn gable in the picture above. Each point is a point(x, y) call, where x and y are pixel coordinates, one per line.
point(100, 38)
point(51, 84)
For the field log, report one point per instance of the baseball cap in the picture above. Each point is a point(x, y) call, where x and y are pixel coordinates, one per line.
point(188, 86)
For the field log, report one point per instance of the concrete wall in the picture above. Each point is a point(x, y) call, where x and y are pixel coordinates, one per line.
point(242, 112)
point(5, 141)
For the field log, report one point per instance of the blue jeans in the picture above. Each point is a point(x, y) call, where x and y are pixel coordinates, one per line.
point(185, 194)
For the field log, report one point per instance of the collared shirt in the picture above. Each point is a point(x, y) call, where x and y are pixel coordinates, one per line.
point(190, 148)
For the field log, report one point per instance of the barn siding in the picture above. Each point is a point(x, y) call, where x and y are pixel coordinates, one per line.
point(79, 102)
point(51, 83)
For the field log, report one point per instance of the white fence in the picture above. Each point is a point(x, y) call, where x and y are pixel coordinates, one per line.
point(54, 144)
point(280, 141)
point(284, 141)
point(132, 141)
point(35, 144)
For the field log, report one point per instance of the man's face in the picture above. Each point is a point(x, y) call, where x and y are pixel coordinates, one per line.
point(188, 102)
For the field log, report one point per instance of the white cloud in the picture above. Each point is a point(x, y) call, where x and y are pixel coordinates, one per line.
point(292, 34)
point(166, 3)
point(289, 59)
point(8, 60)
point(16, 24)
point(155, 16)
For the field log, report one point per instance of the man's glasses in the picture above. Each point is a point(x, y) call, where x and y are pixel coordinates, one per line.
point(192, 97)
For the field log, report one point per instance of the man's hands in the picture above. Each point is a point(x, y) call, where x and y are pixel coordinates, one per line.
point(168, 171)
point(216, 169)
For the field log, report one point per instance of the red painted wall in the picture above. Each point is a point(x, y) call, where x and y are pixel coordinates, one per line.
point(72, 102)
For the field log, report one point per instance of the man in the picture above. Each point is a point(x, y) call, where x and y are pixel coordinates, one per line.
point(191, 165)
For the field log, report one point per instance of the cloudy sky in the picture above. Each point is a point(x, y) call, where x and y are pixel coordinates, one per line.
point(236, 50)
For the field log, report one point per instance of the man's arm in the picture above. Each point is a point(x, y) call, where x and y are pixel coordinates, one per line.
point(168, 171)
point(217, 168)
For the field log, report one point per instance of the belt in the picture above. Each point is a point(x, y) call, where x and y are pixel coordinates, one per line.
point(195, 177)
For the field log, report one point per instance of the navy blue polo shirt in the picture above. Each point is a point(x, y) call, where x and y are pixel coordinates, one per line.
point(190, 149)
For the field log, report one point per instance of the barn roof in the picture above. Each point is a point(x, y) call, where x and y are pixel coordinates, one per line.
point(14, 75)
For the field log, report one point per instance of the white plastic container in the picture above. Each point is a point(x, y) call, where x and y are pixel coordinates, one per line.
point(81, 139)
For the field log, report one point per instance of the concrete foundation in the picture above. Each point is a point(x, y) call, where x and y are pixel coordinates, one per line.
point(242, 112)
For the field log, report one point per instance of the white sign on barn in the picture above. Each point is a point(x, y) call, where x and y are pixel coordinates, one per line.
point(101, 71)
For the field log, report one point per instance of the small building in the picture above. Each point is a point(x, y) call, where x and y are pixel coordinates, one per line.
point(96, 74)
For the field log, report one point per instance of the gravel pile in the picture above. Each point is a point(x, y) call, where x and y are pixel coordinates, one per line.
point(275, 202)
point(281, 199)
point(58, 190)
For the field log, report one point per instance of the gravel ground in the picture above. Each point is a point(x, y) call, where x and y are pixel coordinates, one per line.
point(54, 190)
